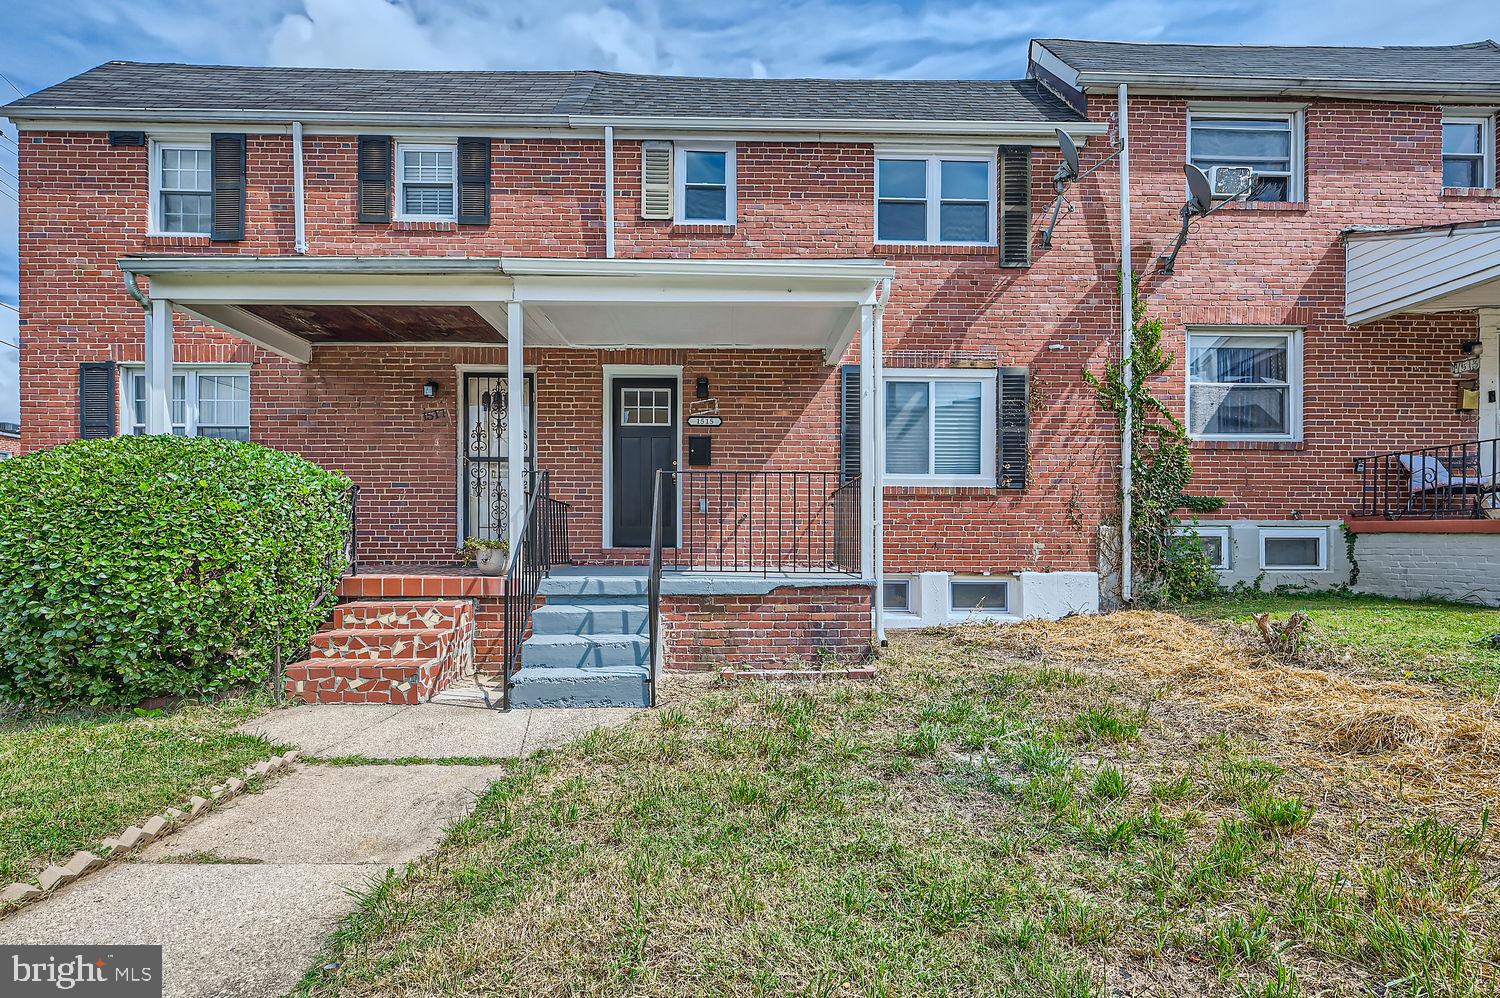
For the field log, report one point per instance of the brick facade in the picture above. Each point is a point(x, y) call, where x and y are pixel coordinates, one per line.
point(822, 626)
point(84, 204)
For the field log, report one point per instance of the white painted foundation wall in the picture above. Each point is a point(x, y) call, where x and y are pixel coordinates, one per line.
point(1464, 567)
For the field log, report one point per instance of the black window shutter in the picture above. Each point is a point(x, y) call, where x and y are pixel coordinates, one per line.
point(374, 178)
point(1015, 206)
point(474, 181)
point(96, 400)
point(849, 422)
point(1015, 419)
point(227, 156)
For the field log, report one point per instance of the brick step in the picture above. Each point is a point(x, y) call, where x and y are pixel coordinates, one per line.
point(361, 680)
point(382, 642)
point(371, 614)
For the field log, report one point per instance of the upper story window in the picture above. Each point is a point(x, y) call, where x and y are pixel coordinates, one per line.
point(1468, 151)
point(206, 402)
point(705, 192)
point(427, 182)
point(182, 182)
point(1245, 383)
point(935, 199)
point(939, 427)
point(1269, 144)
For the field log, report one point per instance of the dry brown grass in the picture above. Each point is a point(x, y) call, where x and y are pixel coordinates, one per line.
point(1420, 742)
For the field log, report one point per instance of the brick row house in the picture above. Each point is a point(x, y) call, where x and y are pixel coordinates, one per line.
point(754, 370)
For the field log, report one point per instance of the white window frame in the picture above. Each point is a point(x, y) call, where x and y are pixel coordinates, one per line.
point(1293, 336)
point(967, 611)
point(405, 147)
point(154, 147)
point(987, 416)
point(190, 373)
point(1318, 533)
point(1219, 532)
point(934, 193)
point(1296, 120)
point(679, 182)
point(910, 588)
point(1486, 123)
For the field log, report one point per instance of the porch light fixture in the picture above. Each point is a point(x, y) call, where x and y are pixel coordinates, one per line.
point(430, 389)
point(1199, 204)
point(702, 388)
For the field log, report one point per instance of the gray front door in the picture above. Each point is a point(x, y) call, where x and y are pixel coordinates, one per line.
point(644, 440)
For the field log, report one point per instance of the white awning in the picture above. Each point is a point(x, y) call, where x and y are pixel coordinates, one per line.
point(1429, 269)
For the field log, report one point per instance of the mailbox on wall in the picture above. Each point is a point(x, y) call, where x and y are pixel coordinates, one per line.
point(700, 451)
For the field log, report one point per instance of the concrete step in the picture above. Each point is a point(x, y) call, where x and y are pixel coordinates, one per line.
point(585, 651)
point(382, 642)
point(572, 586)
point(370, 614)
point(562, 687)
point(589, 618)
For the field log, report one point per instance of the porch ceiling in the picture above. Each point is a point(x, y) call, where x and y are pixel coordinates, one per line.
point(1425, 269)
point(379, 323)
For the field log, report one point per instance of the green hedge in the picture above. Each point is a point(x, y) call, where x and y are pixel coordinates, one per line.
point(135, 567)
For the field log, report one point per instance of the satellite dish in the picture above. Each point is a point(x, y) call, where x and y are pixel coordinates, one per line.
point(1069, 154)
point(1200, 192)
point(1068, 171)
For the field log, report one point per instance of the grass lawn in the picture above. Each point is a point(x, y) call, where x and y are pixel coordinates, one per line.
point(68, 781)
point(1436, 642)
point(1103, 806)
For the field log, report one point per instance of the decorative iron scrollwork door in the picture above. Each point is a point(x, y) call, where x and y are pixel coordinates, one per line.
point(485, 465)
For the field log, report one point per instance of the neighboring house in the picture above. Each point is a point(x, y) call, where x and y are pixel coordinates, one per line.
point(10, 439)
point(698, 271)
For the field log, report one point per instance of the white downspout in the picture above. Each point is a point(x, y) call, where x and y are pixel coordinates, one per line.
point(299, 210)
point(609, 192)
point(1127, 327)
point(878, 357)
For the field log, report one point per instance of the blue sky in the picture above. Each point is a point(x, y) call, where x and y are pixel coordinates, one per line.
point(47, 41)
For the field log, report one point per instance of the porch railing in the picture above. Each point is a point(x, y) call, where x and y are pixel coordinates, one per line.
point(1447, 482)
point(530, 563)
point(762, 522)
point(556, 513)
point(653, 589)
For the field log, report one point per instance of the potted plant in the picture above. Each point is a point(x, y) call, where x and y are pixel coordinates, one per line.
point(489, 554)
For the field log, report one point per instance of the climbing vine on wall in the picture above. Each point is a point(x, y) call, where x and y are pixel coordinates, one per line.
point(1168, 568)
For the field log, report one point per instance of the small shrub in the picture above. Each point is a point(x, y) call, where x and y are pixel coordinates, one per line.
point(135, 567)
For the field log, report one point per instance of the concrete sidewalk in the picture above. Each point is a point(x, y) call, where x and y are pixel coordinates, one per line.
point(242, 899)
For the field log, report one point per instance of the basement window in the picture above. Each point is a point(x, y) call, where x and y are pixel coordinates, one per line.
point(896, 595)
point(1468, 151)
point(1212, 541)
point(206, 402)
point(979, 595)
point(428, 183)
point(1293, 549)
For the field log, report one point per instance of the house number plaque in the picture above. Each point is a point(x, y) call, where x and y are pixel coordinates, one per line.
point(705, 420)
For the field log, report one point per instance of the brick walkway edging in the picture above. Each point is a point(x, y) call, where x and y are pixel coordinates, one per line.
point(153, 828)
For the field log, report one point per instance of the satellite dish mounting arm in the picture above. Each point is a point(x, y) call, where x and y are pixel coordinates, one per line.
point(1199, 204)
point(1068, 173)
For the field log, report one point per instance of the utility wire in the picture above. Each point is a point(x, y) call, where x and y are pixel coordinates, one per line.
point(11, 85)
point(8, 343)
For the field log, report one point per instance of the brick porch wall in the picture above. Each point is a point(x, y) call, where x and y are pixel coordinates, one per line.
point(813, 625)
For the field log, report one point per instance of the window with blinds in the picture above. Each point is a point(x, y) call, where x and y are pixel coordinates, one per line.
point(1244, 385)
point(206, 402)
point(940, 427)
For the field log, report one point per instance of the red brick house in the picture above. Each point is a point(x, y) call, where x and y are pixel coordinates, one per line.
point(691, 278)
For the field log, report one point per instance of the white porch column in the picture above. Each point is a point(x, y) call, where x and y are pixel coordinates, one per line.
point(515, 421)
point(159, 367)
point(877, 361)
point(869, 473)
point(1489, 386)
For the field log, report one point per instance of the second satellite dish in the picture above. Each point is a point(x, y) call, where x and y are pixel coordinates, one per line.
point(1068, 172)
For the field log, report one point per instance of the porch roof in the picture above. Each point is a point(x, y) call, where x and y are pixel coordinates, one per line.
point(291, 304)
point(1438, 268)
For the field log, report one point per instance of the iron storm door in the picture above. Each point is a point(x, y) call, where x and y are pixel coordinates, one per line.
point(484, 481)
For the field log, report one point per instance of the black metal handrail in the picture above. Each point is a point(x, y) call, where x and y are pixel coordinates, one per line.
point(763, 522)
point(653, 591)
point(530, 562)
point(1449, 481)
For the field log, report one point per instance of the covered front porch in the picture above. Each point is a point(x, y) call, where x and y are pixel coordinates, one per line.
point(688, 420)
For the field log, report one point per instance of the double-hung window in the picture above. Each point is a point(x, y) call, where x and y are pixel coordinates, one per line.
point(1468, 151)
point(935, 199)
point(705, 184)
point(206, 402)
point(427, 181)
point(1244, 383)
point(1269, 144)
point(182, 179)
point(939, 427)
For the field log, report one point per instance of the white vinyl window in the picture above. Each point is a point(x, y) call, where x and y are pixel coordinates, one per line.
point(427, 183)
point(181, 188)
point(944, 199)
point(1269, 144)
point(1468, 151)
point(1289, 549)
point(705, 192)
point(206, 402)
point(896, 595)
point(1244, 383)
point(939, 428)
point(1213, 541)
point(983, 595)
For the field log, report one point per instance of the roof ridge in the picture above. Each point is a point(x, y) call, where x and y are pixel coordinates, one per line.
point(1483, 43)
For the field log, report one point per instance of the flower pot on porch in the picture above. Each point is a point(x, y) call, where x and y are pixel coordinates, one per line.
point(490, 561)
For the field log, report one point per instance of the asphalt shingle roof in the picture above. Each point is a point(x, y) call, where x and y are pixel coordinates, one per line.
point(161, 87)
point(1475, 62)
